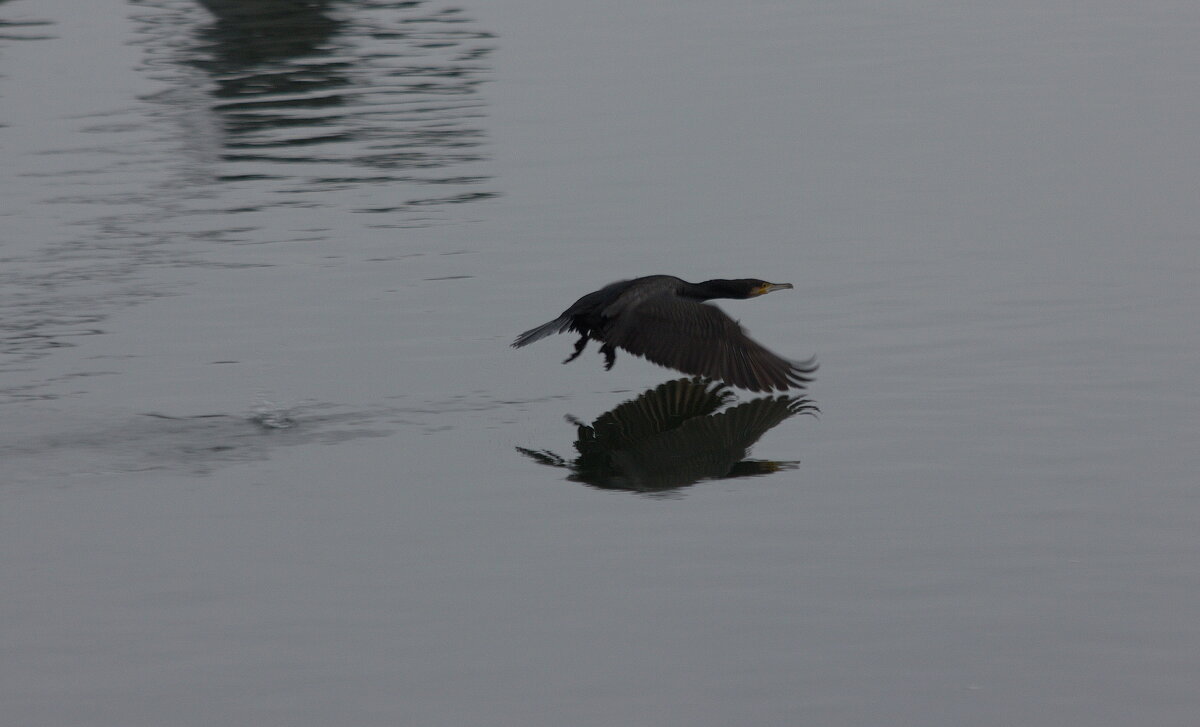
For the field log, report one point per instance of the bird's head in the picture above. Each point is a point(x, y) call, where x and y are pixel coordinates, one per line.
point(762, 287)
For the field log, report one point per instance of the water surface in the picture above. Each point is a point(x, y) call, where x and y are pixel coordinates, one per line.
point(266, 456)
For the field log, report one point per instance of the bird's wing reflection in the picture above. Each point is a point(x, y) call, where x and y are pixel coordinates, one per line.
point(672, 436)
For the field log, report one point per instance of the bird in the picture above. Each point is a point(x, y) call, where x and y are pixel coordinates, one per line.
point(667, 321)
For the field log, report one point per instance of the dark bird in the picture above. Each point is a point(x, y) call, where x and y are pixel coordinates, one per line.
point(666, 320)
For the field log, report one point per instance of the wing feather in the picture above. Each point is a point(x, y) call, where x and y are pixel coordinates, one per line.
point(700, 339)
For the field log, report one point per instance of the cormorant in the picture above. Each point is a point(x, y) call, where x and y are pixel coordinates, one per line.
point(666, 320)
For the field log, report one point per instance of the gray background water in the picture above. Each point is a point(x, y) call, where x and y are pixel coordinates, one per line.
point(259, 419)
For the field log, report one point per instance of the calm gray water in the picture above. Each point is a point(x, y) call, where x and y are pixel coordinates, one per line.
point(267, 458)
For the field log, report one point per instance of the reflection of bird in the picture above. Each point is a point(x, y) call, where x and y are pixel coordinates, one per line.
point(672, 436)
point(666, 320)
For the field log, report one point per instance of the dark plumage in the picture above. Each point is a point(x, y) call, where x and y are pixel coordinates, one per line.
point(666, 320)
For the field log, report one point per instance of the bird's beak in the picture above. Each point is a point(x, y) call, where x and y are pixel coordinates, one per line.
point(768, 287)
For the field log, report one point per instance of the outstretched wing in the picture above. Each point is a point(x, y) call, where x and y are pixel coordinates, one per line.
point(699, 339)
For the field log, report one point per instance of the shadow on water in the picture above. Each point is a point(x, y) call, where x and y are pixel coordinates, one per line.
point(673, 436)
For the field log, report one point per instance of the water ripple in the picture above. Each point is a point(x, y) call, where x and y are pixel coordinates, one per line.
point(316, 113)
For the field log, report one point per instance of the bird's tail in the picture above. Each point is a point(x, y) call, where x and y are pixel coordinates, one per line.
point(558, 325)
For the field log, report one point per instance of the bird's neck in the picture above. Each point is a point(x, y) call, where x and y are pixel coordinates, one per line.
point(718, 288)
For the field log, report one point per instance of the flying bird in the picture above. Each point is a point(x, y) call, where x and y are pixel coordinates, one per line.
point(667, 321)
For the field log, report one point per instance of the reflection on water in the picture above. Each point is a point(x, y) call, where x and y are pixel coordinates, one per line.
point(269, 121)
point(250, 33)
point(26, 29)
point(672, 436)
point(296, 95)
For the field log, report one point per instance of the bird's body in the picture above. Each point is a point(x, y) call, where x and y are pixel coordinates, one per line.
point(666, 320)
